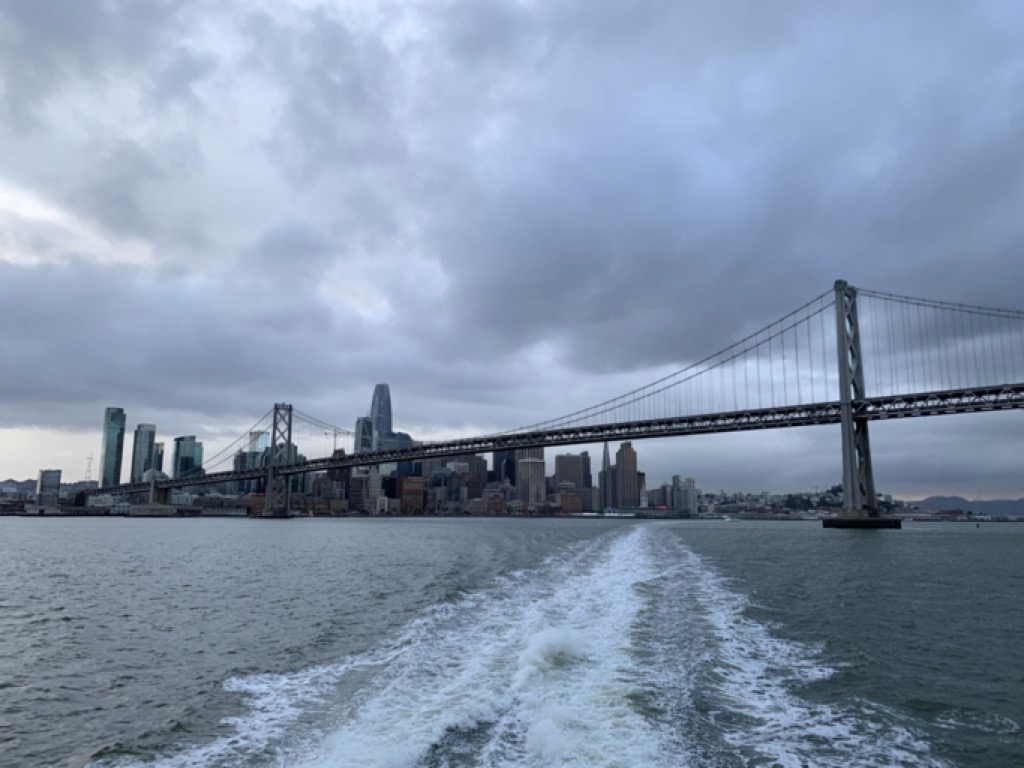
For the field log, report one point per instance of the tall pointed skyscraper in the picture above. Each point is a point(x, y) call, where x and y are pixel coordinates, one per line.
point(380, 414)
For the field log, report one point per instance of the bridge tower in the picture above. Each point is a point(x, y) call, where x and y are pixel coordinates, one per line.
point(860, 507)
point(277, 502)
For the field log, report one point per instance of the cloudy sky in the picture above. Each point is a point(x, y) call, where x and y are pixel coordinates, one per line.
point(504, 209)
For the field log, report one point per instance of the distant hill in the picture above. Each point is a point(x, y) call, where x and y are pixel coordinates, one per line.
point(998, 508)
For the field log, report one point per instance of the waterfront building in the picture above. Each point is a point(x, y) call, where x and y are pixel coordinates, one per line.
point(142, 451)
point(112, 450)
point(685, 496)
point(188, 456)
point(48, 488)
point(363, 491)
point(627, 482)
point(410, 493)
point(532, 480)
point(568, 499)
point(575, 468)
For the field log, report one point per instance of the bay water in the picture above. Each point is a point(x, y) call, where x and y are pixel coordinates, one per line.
point(508, 642)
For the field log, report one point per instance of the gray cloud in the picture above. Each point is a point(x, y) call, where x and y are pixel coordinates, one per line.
point(499, 208)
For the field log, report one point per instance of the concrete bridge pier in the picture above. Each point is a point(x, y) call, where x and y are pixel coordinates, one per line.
point(158, 495)
point(860, 504)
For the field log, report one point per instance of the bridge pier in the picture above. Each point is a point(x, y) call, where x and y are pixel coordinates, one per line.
point(158, 495)
point(860, 505)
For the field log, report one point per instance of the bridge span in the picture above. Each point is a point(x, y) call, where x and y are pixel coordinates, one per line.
point(846, 357)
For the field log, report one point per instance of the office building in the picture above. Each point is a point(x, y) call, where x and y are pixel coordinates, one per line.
point(627, 482)
point(380, 414)
point(505, 466)
point(574, 469)
point(684, 495)
point(410, 491)
point(529, 453)
point(364, 490)
point(364, 435)
point(48, 488)
point(158, 457)
point(112, 450)
point(142, 451)
point(532, 485)
point(259, 441)
point(606, 481)
point(188, 457)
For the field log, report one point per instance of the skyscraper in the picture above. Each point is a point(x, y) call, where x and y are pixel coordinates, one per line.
point(48, 488)
point(364, 435)
point(112, 450)
point(573, 468)
point(606, 481)
point(505, 466)
point(158, 457)
point(532, 485)
point(142, 451)
point(188, 456)
point(259, 441)
point(627, 482)
point(380, 414)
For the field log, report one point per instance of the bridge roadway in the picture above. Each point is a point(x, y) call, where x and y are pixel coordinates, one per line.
point(971, 400)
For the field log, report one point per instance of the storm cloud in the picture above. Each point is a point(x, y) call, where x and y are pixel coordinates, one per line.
point(507, 210)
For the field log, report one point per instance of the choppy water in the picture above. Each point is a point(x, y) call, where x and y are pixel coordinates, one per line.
point(508, 643)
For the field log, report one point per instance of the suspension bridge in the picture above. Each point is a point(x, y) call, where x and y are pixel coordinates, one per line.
point(848, 356)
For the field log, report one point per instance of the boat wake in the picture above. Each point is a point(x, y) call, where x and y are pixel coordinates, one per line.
point(626, 650)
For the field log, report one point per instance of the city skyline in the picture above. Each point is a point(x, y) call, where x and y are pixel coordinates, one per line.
point(568, 237)
point(550, 470)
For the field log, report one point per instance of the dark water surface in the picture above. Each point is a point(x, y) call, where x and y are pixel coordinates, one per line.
point(459, 642)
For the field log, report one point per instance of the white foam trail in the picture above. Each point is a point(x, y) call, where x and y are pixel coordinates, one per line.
point(547, 668)
point(535, 671)
point(541, 670)
point(758, 677)
point(275, 703)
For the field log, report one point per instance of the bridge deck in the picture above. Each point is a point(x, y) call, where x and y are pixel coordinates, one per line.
point(971, 400)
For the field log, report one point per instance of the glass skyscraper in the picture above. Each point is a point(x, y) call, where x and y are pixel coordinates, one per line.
point(188, 456)
point(142, 451)
point(364, 435)
point(380, 414)
point(112, 450)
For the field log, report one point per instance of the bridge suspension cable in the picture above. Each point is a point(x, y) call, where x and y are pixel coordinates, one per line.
point(228, 452)
point(917, 345)
point(722, 381)
point(910, 345)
